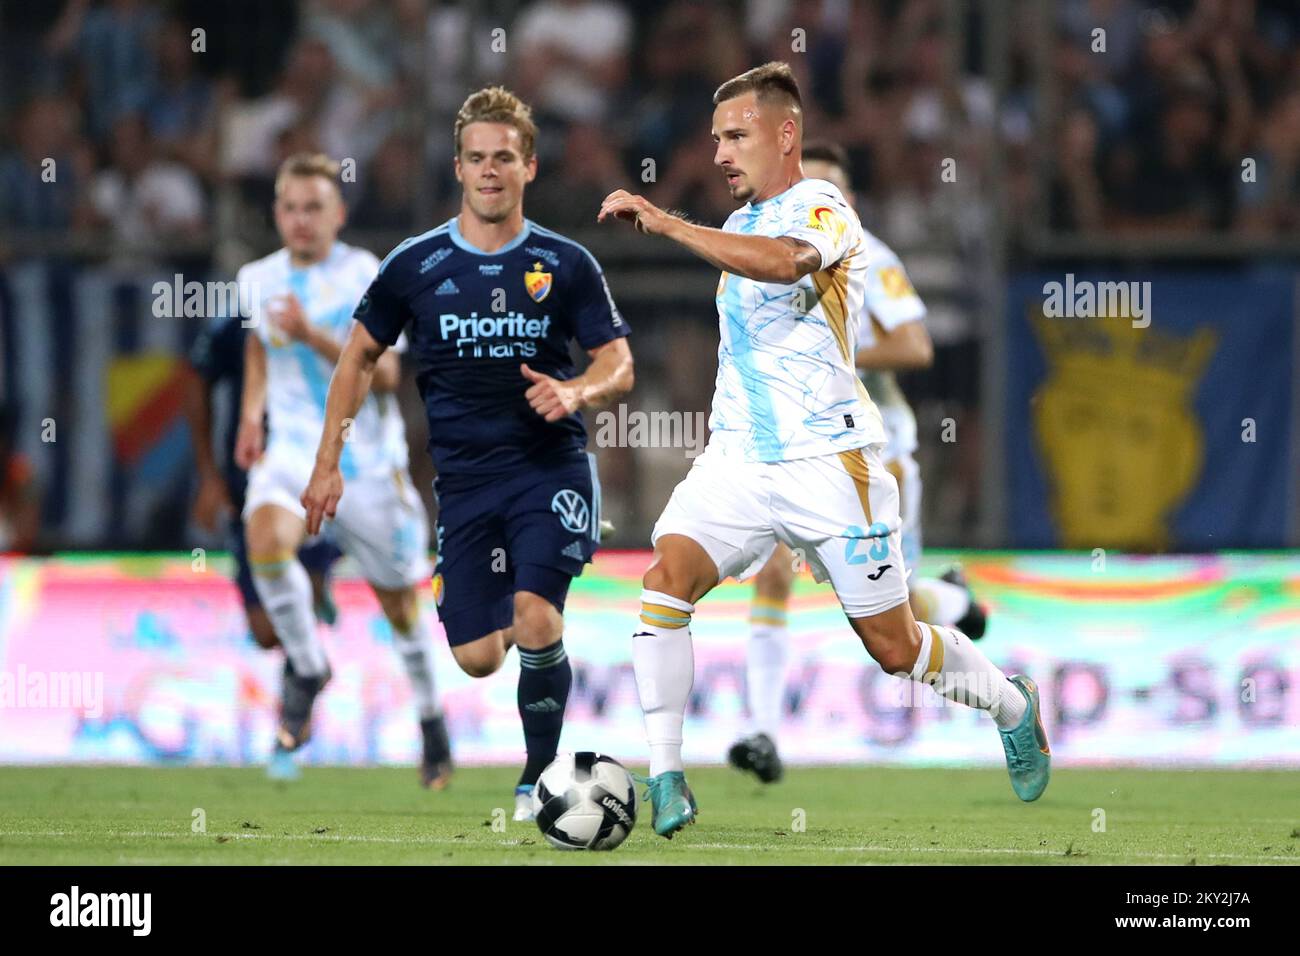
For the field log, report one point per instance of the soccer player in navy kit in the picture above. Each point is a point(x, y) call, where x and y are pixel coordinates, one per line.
point(489, 302)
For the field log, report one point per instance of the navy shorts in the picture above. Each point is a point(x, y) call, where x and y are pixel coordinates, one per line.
point(317, 556)
point(532, 531)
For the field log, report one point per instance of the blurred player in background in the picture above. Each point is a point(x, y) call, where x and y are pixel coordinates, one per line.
point(491, 302)
point(794, 450)
point(217, 359)
point(891, 337)
point(20, 498)
point(301, 299)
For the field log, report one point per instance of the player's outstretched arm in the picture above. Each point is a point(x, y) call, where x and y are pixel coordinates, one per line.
point(609, 376)
point(348, 387)
point(761, 258)
point(905, 346)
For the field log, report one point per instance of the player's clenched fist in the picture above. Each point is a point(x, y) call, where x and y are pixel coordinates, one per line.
point(289, 317)
point(551, 398)
point(321, 499)
point(641, 212)
point(248, 443)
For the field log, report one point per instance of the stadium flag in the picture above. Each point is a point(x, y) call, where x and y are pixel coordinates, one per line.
point(95, 378)
point(1150, 413)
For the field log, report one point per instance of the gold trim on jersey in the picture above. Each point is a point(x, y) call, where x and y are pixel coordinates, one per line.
point(856, 465)
point(832, 287)
point(836, 280)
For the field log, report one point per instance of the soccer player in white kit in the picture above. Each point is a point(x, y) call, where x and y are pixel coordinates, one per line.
point(794, 450)
point(891, 336)
point(301, 300)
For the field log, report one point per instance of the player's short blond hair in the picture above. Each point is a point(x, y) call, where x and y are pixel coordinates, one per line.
point(307, 164)
point(496, 104)
point(772, 82)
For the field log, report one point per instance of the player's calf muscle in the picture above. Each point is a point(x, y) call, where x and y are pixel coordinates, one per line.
point(890, 638)
point(263, 633)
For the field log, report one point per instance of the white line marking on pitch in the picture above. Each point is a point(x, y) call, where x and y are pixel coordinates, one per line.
point(810, 848)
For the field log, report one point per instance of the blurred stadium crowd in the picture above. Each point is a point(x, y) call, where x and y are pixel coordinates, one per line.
point(148, 129)
point(165, 141)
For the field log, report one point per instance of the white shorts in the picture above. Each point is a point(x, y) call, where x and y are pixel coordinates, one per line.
point(380, 521)
point(908, 475)
point(838, 512)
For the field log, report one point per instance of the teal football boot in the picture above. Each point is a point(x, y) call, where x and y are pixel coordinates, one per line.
point(1029, 756)
point(282, 765)
point(672, 801)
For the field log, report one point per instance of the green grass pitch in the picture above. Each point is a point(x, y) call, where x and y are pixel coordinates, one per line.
point(824, 815)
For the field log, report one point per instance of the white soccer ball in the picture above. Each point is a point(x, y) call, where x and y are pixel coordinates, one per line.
point(585, 801)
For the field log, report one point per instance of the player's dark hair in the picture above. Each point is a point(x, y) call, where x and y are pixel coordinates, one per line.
point(496, 104)
point(772, 83)
point(824, 151)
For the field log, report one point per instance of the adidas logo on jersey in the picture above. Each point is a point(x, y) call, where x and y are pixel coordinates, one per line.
point(574, 551)
point(447, 288)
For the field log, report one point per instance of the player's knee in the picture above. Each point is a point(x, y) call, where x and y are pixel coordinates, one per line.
point(268, 547)
point(272, 534)
point(537, 622)
point(681, 568)
point(400, 607)
point(402, 621)
point(669, 578)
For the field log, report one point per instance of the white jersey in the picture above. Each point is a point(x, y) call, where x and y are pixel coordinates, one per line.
point(891, 301)
point(787, 386)
point(298, 377)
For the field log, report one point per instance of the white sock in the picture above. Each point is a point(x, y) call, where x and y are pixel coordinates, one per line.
point(765, 662)
point(285, 590)
point(416, 650)
point(958, 670)
point(663, 660)
point(945, 603)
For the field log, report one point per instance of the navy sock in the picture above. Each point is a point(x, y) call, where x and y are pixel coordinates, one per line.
point(544, 679)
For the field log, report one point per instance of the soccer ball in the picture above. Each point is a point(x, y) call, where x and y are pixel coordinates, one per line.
point(585, 801)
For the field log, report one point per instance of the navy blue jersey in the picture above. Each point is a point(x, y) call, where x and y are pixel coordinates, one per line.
point(218, 356)
point(471, 319)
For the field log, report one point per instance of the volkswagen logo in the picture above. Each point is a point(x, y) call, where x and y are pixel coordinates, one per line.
point(572, 509)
